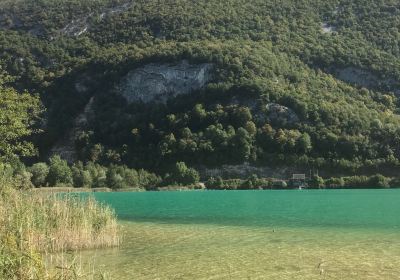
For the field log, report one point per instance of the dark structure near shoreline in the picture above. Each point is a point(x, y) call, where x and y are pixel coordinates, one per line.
point(298, 181)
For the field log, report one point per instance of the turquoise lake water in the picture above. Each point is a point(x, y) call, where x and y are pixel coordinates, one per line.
point(327, 234)
point(326, 208)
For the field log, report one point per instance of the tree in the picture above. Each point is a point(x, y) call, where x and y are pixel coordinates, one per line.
point(81, 177)
point(241, 116)
point(148, 180)
point(96, 152)
point(241, 144)
point(114, 179)
point(183, 175)
point(39, 172)
point(59, 172)
point(379, 181)
point(304, 143)
point(252, 182)
point(335, 182)
point(317, 182)
point(98, 174)
point(18, 114)
point(199, 113)
point(251, 128)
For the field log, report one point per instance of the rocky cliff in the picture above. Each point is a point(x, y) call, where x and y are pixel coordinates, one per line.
point(160, 82)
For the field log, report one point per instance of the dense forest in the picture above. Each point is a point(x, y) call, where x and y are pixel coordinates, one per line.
point(309, 84)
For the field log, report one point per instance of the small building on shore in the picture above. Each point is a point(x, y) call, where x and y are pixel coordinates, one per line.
point(298, 181)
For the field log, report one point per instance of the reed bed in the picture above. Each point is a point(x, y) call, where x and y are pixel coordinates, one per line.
point(33, 225)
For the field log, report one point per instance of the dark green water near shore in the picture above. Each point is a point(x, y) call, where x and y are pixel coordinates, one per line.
point(338, 234)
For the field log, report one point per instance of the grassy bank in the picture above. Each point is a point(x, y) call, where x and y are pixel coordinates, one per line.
point(33, 225)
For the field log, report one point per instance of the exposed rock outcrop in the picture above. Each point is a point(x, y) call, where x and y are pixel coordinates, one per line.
point(160, 82)
point(80, 26)
point(357, 76)
point(364, 78)
point(76, 27)
point(277, 113)
point(326, 28)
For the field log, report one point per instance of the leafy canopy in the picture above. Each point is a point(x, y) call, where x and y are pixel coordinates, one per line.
point(18, 113)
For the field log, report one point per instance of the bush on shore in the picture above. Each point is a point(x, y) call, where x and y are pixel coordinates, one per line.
point(90, 175)
point(251, 183)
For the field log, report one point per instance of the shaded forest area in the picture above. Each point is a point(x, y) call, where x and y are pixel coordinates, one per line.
point(287, 53)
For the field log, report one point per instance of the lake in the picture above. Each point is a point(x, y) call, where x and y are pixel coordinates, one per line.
point(309, 234)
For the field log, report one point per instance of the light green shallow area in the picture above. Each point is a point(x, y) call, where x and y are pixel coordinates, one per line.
point(345, 234)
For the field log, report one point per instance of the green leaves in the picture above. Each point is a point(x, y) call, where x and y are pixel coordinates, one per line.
point(18, 114)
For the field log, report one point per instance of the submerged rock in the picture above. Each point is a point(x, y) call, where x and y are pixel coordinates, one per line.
point(160, 82)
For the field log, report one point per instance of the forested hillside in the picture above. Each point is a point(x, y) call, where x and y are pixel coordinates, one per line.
point(303, 84)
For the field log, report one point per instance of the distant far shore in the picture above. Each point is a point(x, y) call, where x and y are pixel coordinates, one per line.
point(81, 190)
point(51, 190)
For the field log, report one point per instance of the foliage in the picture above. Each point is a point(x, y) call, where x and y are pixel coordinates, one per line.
point(358, 182)
point(335, 183)
point(59, 172)
point(17, 115)
point(379, 181)
point(39, 172)
point(263, 53)
point(253, 182)
point(33, 225)
point(316, 182)
point(182, 175)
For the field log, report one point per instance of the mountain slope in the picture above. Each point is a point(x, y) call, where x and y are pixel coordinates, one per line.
point(293, 83)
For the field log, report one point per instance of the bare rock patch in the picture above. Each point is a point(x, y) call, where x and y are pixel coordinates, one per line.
point(159, 82)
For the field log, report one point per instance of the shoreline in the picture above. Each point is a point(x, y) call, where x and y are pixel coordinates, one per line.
point(51, 190)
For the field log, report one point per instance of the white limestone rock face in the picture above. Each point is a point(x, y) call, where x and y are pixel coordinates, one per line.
point(160, 82)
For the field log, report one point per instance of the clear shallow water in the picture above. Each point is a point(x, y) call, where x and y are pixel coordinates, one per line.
point(341, 234)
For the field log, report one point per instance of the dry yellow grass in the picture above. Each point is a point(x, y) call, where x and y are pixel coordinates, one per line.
point(37, 224)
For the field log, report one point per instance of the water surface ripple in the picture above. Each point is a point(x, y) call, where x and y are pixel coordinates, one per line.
point(341, 234)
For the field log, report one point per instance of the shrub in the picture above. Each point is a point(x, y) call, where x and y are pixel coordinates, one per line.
point(59, 172)
point(253, 182)
point(182, 175)
point(215, 183)
point(233, 184)
point(279, 184)
point(147, 180)
point(317, 182)
point(39, 172)
point(395, 183)
point(81, 176)
point(356, 181)
point(379, 181)
point(335, 183)
point(114, 179)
